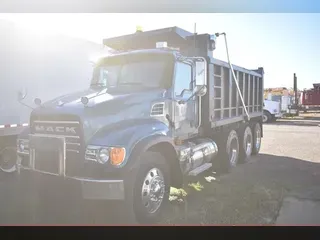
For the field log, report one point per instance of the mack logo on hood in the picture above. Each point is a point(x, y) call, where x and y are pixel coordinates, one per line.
point(58, 129)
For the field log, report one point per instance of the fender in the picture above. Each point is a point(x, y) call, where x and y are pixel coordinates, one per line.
point(133, 136)
point(144, 144)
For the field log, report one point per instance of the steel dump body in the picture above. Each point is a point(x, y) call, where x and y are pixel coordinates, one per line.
point(223, 100)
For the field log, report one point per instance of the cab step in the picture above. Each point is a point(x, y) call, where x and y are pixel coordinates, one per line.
point(200, 169)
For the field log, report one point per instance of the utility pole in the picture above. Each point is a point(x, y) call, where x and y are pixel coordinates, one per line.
point(295, 89)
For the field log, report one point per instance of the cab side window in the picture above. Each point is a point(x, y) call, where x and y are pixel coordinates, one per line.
point(183, 77)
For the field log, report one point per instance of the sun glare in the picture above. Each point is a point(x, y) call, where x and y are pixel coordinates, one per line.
point(92, 27)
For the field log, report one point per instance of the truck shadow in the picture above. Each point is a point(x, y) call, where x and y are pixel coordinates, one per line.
point(251, 194)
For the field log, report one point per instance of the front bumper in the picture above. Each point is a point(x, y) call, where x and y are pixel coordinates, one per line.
point(89, 189)
point(278, 115)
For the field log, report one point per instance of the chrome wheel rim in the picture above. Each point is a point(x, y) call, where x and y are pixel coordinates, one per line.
point(248, 142)
point(258, 136)
point(153, 190)
point(234, 151)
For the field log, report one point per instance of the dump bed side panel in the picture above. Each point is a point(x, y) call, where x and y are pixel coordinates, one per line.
point(225, 105)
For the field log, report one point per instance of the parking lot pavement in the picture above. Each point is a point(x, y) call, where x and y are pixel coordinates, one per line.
point(254, 193)
point(299, 212)
point(287, 166)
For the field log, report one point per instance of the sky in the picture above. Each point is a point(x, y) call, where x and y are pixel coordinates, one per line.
point(281, 43)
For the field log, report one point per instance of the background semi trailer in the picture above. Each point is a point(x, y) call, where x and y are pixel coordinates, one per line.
point(310, 98)
point(150, 117)
point(43, 67)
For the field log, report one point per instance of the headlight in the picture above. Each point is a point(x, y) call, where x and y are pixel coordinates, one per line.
point(102, 155)
point(23, 145)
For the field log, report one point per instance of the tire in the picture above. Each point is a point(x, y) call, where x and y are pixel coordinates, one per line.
point(153, 170)
point(246, 144)
point(226, 157)
point(257, 132)
point(266, 117)
point(8, 158)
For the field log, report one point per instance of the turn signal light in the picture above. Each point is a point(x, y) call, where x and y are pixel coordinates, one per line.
point(117, 155)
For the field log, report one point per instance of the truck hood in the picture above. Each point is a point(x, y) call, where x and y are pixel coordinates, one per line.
point(272, 106)
point(99, 96)
point(95, 97)
point(106, 107)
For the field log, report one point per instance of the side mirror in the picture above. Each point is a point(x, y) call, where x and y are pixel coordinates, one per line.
point(22, 94)
point(201, 74)
point(201, 90)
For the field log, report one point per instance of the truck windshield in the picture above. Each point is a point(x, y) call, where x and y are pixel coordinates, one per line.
point(145, 71)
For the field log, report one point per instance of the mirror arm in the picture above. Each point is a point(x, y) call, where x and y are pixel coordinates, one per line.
point(183, 102)
point(26, 105)
point(22, 97)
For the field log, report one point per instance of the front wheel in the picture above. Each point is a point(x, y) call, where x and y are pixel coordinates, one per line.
point(8, 157)
point(257, 133)
point(266, 117)
point(152, 188)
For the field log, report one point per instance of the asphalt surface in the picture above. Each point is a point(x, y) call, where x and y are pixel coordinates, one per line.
point(281, 186)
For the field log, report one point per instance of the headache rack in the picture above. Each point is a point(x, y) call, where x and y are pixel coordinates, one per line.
point(177, 38)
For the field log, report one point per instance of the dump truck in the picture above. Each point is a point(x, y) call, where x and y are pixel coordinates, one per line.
point(159, 109)
point(40, 67)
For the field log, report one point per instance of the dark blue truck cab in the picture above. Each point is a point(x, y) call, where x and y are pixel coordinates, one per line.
point(150, 117)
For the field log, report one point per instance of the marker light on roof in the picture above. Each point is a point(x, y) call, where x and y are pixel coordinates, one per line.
point(139, 29)
point(161, 45)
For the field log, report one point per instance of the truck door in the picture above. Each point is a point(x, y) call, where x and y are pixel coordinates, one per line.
point(184, 114)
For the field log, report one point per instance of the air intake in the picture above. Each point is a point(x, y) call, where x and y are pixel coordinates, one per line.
point(157, 110)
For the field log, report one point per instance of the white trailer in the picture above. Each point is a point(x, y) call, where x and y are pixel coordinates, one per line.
point(40, 67)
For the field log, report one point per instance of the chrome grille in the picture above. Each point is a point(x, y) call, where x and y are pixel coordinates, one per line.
point(71, 131)
point(47, 161)
point(47, 154)
point(61, 129)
